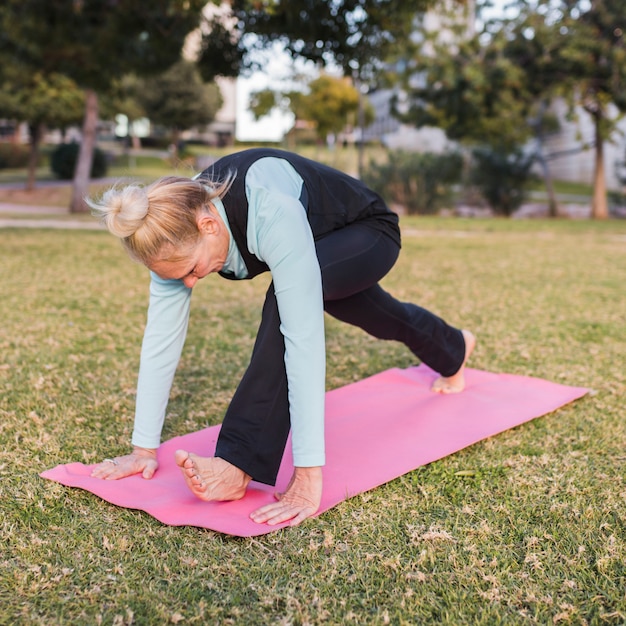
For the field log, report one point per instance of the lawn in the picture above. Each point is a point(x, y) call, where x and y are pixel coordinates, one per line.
point(145, 167)
point(526, 527)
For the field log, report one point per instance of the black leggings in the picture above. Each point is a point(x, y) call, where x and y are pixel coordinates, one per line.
point(352, 261)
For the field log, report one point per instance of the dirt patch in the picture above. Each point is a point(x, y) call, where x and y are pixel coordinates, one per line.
point(40, 196)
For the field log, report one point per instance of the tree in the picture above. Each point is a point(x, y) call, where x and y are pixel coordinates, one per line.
point(473, 92)
point(574, 50)
point(469, 89)
point(53, 101)
point(359, 36)
point(531, 43)
point(594, 74)
point(495, 88)
point(95, 42)
point(179, 100)
point(125, 100)
point(331, 104)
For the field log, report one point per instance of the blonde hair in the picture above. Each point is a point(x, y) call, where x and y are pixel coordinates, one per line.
point(162, 216)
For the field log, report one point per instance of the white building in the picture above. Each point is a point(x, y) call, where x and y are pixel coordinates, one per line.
point(571, 151)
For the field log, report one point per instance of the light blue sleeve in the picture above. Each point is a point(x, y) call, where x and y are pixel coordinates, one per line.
point(279, 234)
point(163, 340)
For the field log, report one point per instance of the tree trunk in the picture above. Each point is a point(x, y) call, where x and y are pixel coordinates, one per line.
point(599, 205)
point(135, 141)
point(36, 132)
point(82, 174)
point(553, 203)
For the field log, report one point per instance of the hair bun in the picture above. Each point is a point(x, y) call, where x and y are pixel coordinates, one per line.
point(124, 210)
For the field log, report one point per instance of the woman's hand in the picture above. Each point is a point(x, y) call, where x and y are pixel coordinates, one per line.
point(141, 461)
point(301, 499)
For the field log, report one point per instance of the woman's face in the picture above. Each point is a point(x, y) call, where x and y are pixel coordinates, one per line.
point(194, 261)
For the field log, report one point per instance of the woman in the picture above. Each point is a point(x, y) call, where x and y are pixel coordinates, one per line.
point(327, 240)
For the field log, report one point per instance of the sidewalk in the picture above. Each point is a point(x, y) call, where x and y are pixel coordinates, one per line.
point(8, 219)
point(55, 216)
point(46, 223)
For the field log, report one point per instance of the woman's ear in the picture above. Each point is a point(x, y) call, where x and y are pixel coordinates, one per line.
point(207, 224)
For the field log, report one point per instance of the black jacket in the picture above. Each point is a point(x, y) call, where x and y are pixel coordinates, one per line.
point(331, 198)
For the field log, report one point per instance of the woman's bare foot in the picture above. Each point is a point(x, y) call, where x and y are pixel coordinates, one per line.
point(456, 382)
point(212, 478)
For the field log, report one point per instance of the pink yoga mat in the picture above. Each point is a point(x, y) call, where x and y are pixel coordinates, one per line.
point(376, 430)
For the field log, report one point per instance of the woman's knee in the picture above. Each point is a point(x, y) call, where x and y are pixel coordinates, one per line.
point(354, 260)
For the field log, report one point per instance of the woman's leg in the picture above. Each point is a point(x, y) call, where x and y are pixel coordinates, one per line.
point(256, 424)
point(353, 260)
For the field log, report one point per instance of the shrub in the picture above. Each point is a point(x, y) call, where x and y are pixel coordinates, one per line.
point(160, 143)
point(63, 161)
point(502, 177)
point(420, 182)
point(13, 156)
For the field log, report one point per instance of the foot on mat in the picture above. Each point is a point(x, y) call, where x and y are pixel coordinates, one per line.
point(456, 382)
point(212, 478)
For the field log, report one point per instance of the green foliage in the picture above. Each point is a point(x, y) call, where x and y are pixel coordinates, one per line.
point(64, 157)
point(474, 93)
point(124, 98)
point(221, 49)
point(52, 100)
point(178, 99)
point(502, 177)
point(331, 103)
point(263, 102)
point(354, 35)
point(41, 100)
point(492, 87)
point(96, 42)
point(593, 54)
point(480, 87)
point(420, 182)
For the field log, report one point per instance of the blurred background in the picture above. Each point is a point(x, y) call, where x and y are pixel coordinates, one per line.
point(462, 107)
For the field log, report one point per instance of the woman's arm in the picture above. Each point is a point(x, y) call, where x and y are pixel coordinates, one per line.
point(283, 239)
point(280, 234)
point(163, 340)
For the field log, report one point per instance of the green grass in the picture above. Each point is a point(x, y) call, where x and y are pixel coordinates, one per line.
point(528, 527)
point(564, 187)
point(147, 168)
point(144, 167)
point(141, 167)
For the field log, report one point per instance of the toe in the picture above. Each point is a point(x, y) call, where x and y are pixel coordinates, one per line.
point(181, 457)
